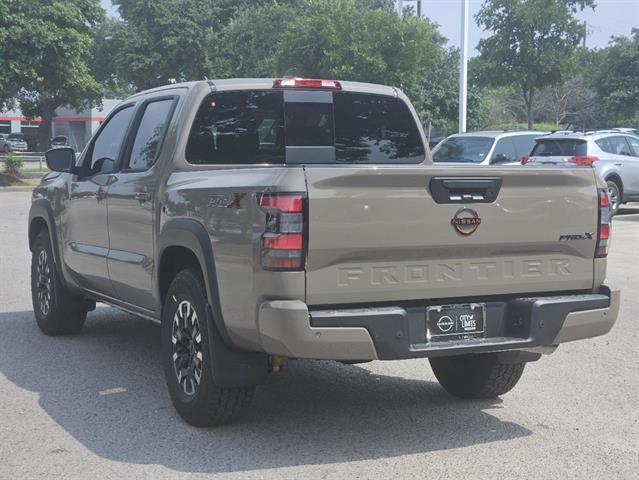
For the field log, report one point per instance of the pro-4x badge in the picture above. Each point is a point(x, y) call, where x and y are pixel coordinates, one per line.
point(582, 236)
point(466, 221)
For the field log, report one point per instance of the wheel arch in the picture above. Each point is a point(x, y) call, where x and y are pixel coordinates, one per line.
point(41, 217)
point(615, 177)
point(184, 239)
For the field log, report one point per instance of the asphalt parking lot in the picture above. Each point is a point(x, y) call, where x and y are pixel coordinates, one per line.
point(95, 405)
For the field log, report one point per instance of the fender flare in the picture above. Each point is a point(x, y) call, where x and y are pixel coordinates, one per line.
point(236, 368)
point(41, 209)
point(191, 234)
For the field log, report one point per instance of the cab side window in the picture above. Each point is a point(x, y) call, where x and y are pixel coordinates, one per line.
point(619, 146)
point(150, 134)
point(106, 147)
point(504, 152)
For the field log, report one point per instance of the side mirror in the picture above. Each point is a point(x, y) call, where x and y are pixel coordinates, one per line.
point(60, 159)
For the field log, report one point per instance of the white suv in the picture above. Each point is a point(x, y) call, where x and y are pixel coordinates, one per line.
point(613, 155)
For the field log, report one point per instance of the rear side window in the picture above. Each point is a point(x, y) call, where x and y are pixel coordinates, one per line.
point(614, 145)
point(560, 148)
point(245, 127)
point(150, 134)
point(375, 129)
point(634, 145)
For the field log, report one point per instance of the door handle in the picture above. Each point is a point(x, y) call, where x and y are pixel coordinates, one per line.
point(142, 196)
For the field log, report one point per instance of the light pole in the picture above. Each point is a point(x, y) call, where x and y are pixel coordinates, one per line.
point(463, 68)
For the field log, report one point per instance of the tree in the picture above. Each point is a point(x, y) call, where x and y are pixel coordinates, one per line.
point(339, 39)
point(571, 103)
point(47, 50)
point(437, 99)
point(533, 44)
point(615, 79)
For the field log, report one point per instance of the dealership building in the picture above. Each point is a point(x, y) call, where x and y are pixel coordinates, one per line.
point(78, 127)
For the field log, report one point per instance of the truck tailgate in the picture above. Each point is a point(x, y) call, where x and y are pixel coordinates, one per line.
point(376, 234)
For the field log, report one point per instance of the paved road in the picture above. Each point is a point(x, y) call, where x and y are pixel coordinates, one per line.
point(95, 406)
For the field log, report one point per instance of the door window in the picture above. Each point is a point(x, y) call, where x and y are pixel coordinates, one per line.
point(634, 145)
point(106, 147)
point(504, 152)
point(523, 145)
point(619, 146)
point(150, 134)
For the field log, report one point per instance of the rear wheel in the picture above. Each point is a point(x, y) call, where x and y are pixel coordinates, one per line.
point(476, 376)
point(614, 195)
point(186, 359)
point(57, 311)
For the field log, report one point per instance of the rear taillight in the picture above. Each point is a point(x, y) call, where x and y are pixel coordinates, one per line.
point(525, 159)
point(283, 243)
point(603, 225)
point(583, 160)
point(306, 83)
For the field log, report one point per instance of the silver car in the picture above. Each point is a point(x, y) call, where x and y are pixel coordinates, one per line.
point(14, 142)
point(486, 147)
point(613, 155)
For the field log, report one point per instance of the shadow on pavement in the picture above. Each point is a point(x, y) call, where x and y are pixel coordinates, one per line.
point(106, 388)
point(627, 213)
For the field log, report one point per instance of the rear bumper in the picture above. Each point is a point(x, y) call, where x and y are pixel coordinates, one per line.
point(288, 328)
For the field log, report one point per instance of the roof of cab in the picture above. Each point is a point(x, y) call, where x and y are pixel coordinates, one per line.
point(267, 83)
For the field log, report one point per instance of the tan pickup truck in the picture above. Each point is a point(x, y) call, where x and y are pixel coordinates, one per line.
point(264, 219)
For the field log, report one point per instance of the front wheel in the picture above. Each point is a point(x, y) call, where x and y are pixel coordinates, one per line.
point(187, 360)
point(57, 311)
point(476, 376)
point(614, 196)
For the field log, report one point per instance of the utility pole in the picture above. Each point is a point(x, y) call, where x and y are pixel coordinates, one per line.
point(400, 6)
point(419, 8)
point(463, 68)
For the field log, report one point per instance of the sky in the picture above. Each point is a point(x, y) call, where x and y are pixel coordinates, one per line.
point(611, 18)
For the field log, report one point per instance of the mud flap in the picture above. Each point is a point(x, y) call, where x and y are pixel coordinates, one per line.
point(233, 368)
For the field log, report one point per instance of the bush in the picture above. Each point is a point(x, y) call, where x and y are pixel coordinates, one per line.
point(13, 164)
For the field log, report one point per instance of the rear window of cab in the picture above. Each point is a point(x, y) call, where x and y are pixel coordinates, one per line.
point(261, 127)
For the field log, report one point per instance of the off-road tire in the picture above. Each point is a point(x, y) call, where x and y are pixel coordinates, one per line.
point(57, 311)
point(476, 376)
point(209, 404)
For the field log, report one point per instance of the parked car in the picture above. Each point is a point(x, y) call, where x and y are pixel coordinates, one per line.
point(614, 156)
point(59, 141)
point(13, 142)
point(486, 148)
point(260, 219)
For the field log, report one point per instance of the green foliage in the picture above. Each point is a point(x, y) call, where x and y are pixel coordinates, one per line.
point(616, 71)
point(437, 100)
point(46, 53)
point(533, 44)
point(248, 45)
point(13, 164)
point(338, 39)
